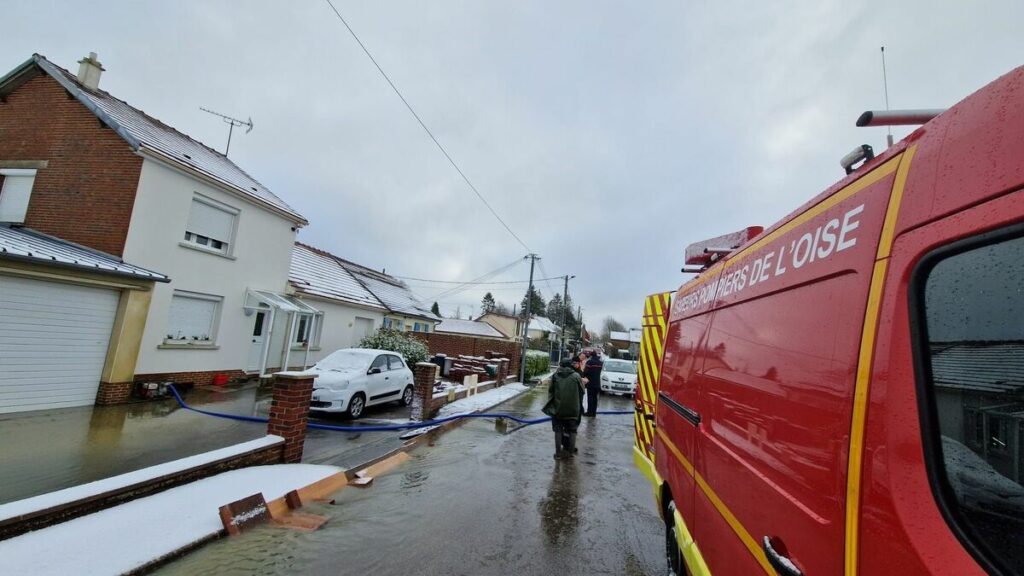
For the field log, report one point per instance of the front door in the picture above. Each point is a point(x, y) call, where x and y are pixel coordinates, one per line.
point(256, 347)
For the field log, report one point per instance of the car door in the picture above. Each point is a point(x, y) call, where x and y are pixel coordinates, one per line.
point(375, 382)
point(398, 373)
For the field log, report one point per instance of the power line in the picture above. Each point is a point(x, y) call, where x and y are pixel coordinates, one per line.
point(465, 286)
point(471, 282)
point(424, 126)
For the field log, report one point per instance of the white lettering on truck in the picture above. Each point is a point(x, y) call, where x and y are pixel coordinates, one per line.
point(819, 244)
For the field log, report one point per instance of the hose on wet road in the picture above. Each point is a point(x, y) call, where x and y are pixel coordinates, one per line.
point(387, 427)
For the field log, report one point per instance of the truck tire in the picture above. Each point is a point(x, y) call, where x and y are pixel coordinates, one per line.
point(673, 554)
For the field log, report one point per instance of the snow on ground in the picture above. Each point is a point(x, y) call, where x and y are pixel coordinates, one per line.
point(75, 493)
point(482, 400)
point(128, 536)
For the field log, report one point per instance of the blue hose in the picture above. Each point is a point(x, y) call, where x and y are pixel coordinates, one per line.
point(387, 428)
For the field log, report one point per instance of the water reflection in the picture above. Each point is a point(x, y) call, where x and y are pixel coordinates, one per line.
point(560, 509)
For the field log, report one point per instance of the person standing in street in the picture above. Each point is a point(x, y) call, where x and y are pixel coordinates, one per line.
point(592, 376)
point(564, 399)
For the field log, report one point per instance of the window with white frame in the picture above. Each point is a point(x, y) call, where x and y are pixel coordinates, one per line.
point(421, 327)
point(192, 318)
point(15, 191)
point(394, 324)
point(308, 329)
point(211, 225)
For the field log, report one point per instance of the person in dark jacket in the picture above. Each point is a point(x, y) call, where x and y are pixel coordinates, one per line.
point(564, 397)
point(592, 372)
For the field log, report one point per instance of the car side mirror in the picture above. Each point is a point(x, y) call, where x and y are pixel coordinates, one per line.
point(373, 371)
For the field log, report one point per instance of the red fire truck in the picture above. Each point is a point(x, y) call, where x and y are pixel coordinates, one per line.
point(843, 392)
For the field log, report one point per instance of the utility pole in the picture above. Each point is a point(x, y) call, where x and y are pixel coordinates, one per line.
point(579, 315)
point(565, 302)
point(526, 327)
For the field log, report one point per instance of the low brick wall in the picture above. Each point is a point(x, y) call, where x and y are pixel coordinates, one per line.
point(114, 393)
point(456, 345)
point(17, 525)
point(194, 378)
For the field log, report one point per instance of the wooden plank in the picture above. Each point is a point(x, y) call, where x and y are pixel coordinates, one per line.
point(243, 514)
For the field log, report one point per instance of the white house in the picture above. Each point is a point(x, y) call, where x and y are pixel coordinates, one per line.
point(352, 302)
point(540, 327)
point(113, 178)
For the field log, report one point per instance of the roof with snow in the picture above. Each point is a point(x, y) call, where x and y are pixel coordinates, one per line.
point(318, 273)
point(468, 328)
point(992, 367)
point(632, 336)
point(542, 324)
point(25, 244)
point(392, 292)
point(144, 133)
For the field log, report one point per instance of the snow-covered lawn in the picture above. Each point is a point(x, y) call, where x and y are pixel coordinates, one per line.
point(128, 536)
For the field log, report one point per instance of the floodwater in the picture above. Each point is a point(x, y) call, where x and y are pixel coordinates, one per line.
point(477, 502)
point(50, 450)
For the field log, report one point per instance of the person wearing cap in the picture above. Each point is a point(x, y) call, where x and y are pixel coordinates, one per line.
point(592, 375)
point(563, 406)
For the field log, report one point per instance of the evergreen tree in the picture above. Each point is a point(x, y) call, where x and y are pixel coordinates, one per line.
point(554, 309)
point(436, 309)
point(488, 304)
point(537, 307)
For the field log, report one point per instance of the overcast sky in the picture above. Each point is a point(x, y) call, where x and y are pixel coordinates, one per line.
point(609, 135)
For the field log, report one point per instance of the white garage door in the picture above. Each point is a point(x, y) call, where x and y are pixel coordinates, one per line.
point(53, 342)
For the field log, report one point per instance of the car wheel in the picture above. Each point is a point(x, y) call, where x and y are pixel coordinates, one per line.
point(406, 396)
point(672, 552)
point(356, 405)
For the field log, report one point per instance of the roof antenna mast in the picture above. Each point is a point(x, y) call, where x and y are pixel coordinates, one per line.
point(232, 122)
point(885, 84)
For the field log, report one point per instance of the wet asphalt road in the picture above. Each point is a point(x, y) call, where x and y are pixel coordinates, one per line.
point(475, 503)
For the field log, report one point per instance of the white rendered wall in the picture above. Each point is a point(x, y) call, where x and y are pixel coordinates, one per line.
point(260, 260)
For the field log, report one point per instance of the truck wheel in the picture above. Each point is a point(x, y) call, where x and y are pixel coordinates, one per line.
point(356, 406)
point(672, 552)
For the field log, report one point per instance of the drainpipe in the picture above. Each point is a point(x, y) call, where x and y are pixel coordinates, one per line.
point(266, 344)
point(288, 340)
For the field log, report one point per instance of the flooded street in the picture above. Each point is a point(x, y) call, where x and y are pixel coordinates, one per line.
point(54, 449)
point(476, 503)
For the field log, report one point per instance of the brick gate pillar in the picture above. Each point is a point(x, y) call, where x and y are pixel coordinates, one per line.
point(502, 374)
point(424, 376)
point(289, 411)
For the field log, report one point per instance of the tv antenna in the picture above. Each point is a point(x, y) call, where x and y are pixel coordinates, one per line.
point(232, 122)
point(885, 84)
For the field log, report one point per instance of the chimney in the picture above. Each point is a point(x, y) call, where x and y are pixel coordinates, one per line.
point(89, 71)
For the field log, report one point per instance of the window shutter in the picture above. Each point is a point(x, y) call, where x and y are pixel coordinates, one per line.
point(210, 221)
point(14, 194)
point(191, 317)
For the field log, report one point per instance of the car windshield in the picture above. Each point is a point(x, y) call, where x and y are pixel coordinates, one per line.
point(344, 361)
point(620, 366)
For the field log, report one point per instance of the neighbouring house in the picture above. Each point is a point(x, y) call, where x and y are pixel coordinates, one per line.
point(474, 328)
point(541, 328)
point(508, 324)
point(353, 301)
point(104, 175)
point(626, 343)
point(71, 318)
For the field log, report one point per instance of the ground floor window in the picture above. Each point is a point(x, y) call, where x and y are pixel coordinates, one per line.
point(308, 329)
point(421, 327)
point(193, 318)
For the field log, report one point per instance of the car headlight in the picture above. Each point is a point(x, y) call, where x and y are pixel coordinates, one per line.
point(604, 377)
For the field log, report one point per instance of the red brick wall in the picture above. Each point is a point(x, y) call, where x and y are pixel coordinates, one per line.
point(196, 378)
point(455, 345)
point(87, 191)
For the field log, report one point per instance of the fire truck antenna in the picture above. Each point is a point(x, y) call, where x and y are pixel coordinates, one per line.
point(885, 86)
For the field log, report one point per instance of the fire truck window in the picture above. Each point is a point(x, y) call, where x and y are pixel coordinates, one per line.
point(974, 318)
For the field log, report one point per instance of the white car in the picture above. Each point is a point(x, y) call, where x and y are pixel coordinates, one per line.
point(618, 377)
point(351, 379)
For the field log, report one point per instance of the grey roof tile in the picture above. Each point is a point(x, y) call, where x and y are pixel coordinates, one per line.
point(468, 327)
point(18, 243)
point(317, 273)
